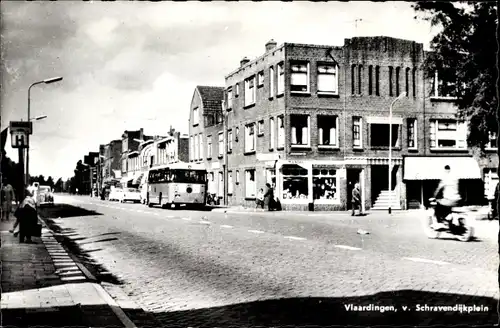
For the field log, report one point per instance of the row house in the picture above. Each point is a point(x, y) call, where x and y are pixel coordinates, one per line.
point(130, 168)
point(313, 120)
point(111, 161)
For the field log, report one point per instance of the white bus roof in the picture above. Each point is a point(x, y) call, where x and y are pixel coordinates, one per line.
point(180, 166)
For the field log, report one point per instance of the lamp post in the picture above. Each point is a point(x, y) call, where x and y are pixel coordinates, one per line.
point(46, 81)
point(402, 95)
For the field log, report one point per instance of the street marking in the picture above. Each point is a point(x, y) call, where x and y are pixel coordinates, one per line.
point(416, 259)
point(295, 238)
point(256, 231)
point(348, 247)
point(73, 278)
point(205, 222)
point(186, 219)
point(226, 226)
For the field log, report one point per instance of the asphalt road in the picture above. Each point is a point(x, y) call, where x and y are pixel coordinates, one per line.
point(272, 269)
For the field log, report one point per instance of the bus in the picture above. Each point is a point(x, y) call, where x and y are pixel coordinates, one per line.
point(177, 184)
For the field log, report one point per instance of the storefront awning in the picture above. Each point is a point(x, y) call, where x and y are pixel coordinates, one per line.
point(432, 168)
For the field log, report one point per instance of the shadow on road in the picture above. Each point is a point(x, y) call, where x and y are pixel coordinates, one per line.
point(64, 211)
point(329, 312)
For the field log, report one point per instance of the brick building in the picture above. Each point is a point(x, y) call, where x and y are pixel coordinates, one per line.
point(130, 167)
point(112, 161)
point(313, 120)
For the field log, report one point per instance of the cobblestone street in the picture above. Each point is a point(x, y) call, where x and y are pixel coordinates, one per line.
point(246, 269)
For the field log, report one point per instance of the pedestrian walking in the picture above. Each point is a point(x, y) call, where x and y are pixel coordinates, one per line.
point(8, 196)
point(27, 219)
point(269, 197)
point(356, 199)
point(260, 198)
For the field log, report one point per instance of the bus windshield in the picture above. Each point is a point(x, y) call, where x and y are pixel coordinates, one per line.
point(188, 176)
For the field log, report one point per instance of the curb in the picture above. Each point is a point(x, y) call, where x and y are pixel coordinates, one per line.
point(70, 271)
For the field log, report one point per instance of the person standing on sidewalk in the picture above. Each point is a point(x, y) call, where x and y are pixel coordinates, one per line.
point(356, 199)
point(8, 196)
point(269, 197)
point(27, 219)
point(260, 199)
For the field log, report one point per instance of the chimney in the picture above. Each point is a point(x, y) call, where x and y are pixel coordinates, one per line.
point(270, 45)
point(244, 61)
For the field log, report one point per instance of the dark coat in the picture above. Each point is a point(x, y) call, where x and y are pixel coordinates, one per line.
point(28, 221)
point(356, 196)
point(269, 196)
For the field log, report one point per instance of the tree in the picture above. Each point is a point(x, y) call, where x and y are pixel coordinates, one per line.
point(59, 185)
point(50, 182)
point(464, 54)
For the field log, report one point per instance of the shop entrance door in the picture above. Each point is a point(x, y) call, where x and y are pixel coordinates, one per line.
point(352, 176)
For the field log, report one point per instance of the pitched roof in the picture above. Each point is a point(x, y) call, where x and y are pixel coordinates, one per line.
point(211, 97)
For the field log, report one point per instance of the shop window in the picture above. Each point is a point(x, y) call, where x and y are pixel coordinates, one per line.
point(327, 130)
point(357, 132)
point(221, 144)
point(325, 184)
point(295, 182)
point(250, 184)
point(230, 183)
point(448, 134)
point(260, 79)
point(229, 98)
point(492, 140)
point(370, 80)
point(260, 128)
point(328, 78)
point(300, 130)
point(229, 141)
point(250, 138)
point(412, 133)
point(250, 91)
point(209, 147)
point(281, 78)
point(379, 135)
point(271, 81)
point(281, 131)
point(271, 133)
point(299, 78)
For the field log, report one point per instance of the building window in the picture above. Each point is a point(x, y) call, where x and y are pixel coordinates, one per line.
point(448, 134)
point(299, 79)
point(390, 81)
point(413, 82)
point(325, 184)
point(407, 84)
point(370, 80)
point(300, 130)
point(357, 132)
point(229, 98)
point(250, 138)
point(360, 79)
point(443, 88)
point(353, 79)
point(221, 144)
point(191, 148)
point(221, 184)
point(237, 134)
point(250, 91)
point(237, 90)
point(412, 133)
point(281, 79)
point(327, 130)
point(196, 116)
point(281, 131)
point(250, 185)
point(196, 148)
point(260, 79)
point(377, 80)
point(230, 182)
point(379, 135)
point(295, 182)
point(271, 133)
point(271, 81)
point(212, 176)
point(229, 141)
point(237, 177)
point(327, 78)
point(492, 140)
point(209, 147)
point(397, 81)
point(200, 139)
point(260, 128)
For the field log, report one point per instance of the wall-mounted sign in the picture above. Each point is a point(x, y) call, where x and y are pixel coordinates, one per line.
point(19, 131)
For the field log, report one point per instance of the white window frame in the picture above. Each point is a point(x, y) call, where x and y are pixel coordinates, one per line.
point(281, 132)
point(281, 79)
point(196, 116)
point(221, 144)
point(357, 121)
point(250, 91)
point(260, 128)
point(271, 82)
point(260, 78)
point(335, 72)
point(320, 136)
point(229, 141)
point(296, 145)
point(250, 192)
point(492, 135)
point(209, 147)
point(229, 98)
point(248, 137)
point(200, 140)
point(459, 139)
point(272, 133)
point(230, 188)
point(293, 65)
point(415, 133)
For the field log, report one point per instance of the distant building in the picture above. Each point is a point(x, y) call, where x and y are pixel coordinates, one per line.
point(112, 162)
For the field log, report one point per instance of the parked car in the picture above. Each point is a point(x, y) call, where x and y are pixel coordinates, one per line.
point(45, 195)
point(115, 194)
point(130, 194)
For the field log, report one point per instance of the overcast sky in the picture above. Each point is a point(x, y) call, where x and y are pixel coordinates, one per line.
point(128, 65)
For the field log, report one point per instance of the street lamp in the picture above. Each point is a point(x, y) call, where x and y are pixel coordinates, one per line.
point(46, 81)
point(38, 118)
point(401, 96)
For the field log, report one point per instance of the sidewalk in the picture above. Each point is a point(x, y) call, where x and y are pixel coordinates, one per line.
point(43, 289)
